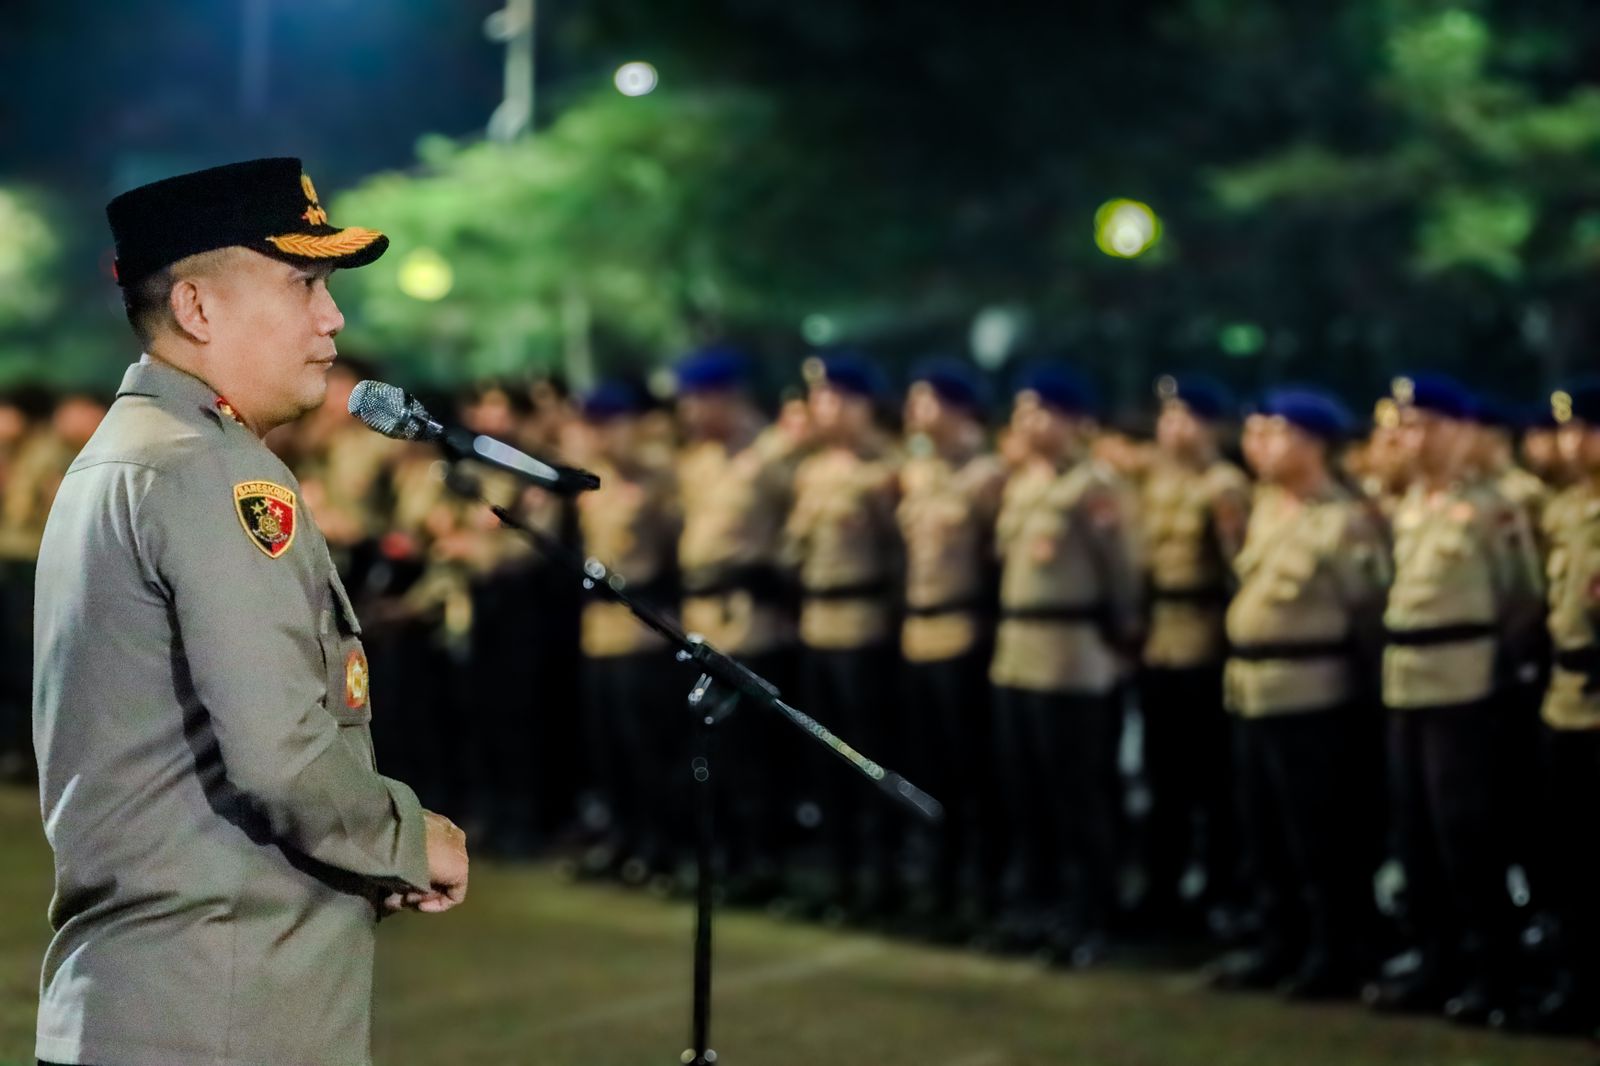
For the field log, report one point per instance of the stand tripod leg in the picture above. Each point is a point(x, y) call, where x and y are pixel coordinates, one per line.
point(699, 1054)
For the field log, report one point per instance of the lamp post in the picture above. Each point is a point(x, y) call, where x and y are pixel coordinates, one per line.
point(513, 26)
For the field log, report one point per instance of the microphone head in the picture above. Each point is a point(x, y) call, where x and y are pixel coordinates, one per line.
point(387, 409)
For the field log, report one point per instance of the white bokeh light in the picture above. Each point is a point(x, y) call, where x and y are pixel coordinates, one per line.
point(636, 79)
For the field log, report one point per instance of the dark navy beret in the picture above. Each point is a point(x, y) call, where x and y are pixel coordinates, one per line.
point(708, 369)
point(954, 381)
point(611, 399)
point(1059, 386)
point(1204, 396)
point(850, 372)
point(1539, 416)
point(1495, 413)
point(1317, 412)
point(1439, 393)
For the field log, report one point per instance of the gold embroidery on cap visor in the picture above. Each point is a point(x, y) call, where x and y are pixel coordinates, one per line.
point(347, 241)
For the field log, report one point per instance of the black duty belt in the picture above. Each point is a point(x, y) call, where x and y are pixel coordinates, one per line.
point(764, 583)
point(969, 605)
point(1457, 634)
point(1579, 660)
point(1325, 649)
point(1089, 612)
point(865, 590)
point(1210, 594)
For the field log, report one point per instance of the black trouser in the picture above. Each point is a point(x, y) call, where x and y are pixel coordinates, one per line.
point(1572, 798)
point(1054, 772)
point(1313, 841)
point(851, 692)
point(416, 730)
point(1188, 766)
point(951, 731)
point(752, 768)
point(502, 685)
point(16, 661)
point(1446, 766)
point(638, 731)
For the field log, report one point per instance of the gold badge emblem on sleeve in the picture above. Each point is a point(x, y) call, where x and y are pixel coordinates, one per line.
point(267, 513)
point(355, 679)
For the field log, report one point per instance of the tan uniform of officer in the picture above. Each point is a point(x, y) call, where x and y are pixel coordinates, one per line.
point(1194, 523)
point(735, 502)
point(31, 484)
point(632, 525)
point(842, 536)
point(1069, 606)
point(1304, 631)
point(947, 513)
point(1196, 508)
point(1068, 591)
point(1571, 713)
point(223, 842)
point(206, 767)
point(1465, 569)
point(1312, 579)
point(1573, 699)
point(1460, 615)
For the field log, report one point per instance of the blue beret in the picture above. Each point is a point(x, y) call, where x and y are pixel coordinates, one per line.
point(849, 372)
point(1539, 416)
point(716, 367)
point(1059, 386)
point(611, 399)
point(1582, 401)
point(1204, 396)
point(954, 381)
point(1496, 413)
point(1438, 393)
point(1313, 410)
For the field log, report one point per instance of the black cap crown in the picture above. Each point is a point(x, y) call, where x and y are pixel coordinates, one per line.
point(268, 205)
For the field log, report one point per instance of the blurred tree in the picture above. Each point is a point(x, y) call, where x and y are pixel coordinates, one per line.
point(1470, 192)
point(626, 231)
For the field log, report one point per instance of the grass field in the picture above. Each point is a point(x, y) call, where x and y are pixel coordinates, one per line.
point(536, 972)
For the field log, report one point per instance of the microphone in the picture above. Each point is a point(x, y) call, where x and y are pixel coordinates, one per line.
point(392, 411)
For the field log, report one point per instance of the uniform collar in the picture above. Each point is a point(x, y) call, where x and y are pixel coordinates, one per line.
point(173, 389)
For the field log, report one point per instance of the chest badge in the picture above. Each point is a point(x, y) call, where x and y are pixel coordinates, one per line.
point(355, 679)
point(267, 513)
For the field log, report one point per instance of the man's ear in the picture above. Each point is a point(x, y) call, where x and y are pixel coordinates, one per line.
point(188, 305)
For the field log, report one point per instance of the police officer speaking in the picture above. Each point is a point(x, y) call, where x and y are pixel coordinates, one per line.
point(223, 842)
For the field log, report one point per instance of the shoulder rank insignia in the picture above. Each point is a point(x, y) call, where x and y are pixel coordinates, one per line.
point(355, 679)
point(267, 513)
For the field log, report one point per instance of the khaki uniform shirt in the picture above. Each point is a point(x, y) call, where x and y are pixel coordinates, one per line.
point(631, 525)
point(842, 538)
point(222, 839)
point(1194, 524)
point(1313, 576)
point(1466, 571)
point(734, 507)
point(344, 478)
point(1573, 698)
point(1068, 589)
point(947, 513)
point(1526, 491)
point(30, 485)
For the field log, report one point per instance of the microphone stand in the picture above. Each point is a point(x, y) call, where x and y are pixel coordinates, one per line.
point(723, 682)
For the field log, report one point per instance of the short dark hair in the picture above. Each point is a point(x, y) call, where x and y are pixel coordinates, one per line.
point(148, 302)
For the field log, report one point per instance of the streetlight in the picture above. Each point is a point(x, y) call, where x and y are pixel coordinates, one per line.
point(1125, 229)
point(636, 79)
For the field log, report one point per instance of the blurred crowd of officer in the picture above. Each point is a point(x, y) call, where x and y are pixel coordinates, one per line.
point(1325, 690)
